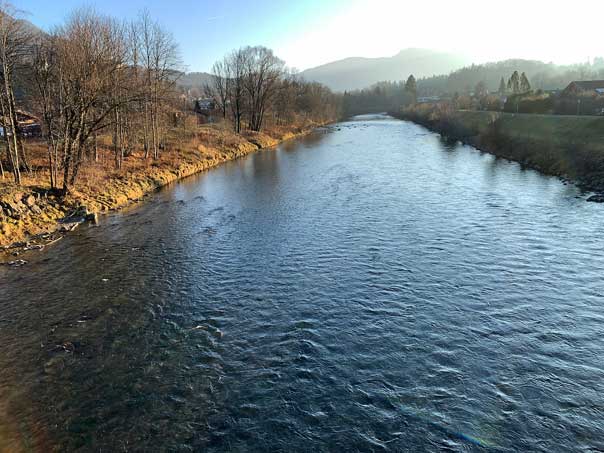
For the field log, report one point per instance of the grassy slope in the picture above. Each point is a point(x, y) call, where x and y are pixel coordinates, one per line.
point(557, 129)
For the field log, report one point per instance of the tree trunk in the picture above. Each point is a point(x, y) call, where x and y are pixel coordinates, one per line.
point(7, 140)
point(55, 169)
point(50, 144)
point(96, 147)
point(66, 165)
point(80, 142)
point(146, 131)
point(1, 167)
point(154, 134)
point(17, 134)
point(116, 141)
point(12, 127)
point(50, 165)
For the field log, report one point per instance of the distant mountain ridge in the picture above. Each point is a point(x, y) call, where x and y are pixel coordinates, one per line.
point(358, 72)
point(194, 80)
point(32, 29)
point(436, 73)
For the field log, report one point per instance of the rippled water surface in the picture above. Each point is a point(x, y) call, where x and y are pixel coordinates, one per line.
point(367, 288)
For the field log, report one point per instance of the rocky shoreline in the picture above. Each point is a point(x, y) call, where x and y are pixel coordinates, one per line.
point(34, 218)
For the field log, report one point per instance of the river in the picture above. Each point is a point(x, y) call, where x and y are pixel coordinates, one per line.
point(366, 288)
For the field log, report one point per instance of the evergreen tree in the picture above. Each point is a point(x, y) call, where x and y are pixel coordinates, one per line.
point(502, 89)
point(411, 88)
point(481, 90)
point(525, 85)
point(514, 83)
point(481, 93)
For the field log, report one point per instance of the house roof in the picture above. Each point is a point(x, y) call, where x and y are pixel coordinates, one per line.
point(589, 85)
point(23, 119)
point(25, 116)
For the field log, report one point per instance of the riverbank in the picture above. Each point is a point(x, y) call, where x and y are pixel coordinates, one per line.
point(32, 216)
point(571, 147)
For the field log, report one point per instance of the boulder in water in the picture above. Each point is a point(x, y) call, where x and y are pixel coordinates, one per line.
point(92, 217)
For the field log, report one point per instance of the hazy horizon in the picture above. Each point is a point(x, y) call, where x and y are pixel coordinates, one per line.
point(311, 33)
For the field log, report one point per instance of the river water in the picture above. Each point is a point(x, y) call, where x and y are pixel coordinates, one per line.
point(366, 288)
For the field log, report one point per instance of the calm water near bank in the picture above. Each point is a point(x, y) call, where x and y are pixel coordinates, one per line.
point(365, 288)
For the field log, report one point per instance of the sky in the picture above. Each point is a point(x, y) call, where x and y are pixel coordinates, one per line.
point(308, 33)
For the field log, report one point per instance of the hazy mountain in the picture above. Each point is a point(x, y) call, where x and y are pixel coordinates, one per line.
point(194, 80)
point(31, 29)
point(357, 73)
point(21, 82)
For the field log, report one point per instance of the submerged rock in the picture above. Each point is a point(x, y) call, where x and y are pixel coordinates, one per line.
point(598, 198)
point(86, 215)
point(92, 217)
point(68, 226)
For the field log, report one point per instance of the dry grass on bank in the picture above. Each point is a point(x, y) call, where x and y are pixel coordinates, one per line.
point(183, 144)
point(30, 209)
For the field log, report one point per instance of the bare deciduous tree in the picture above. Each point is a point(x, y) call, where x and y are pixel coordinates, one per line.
point(263, 74)
point(91, 56)
point(14, 40)
point(160, 60)
point(218, 88)
point(96, 76)
point(234, 65)
point(44, 74)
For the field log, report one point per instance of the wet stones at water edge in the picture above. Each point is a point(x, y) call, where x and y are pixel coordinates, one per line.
point(38, 242)
point(81, 215)
point(16, 208)
point(15, 263)
point(68, 226)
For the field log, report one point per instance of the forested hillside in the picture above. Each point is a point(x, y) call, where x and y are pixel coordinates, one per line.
point(544, 76)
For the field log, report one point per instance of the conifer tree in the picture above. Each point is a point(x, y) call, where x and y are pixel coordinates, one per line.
point(514, 83)
point(525, 85)
point(502, 89)
point(411, 88)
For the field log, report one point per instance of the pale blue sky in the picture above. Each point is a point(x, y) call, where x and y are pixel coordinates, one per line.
point(306, 33)
point(206, 30)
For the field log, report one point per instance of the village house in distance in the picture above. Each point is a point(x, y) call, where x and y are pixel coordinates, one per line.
point(28, 125)
point(588, 96)
point(586, 87)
